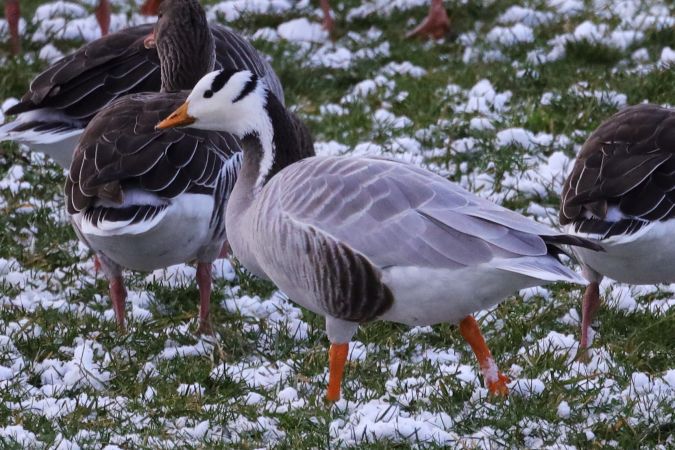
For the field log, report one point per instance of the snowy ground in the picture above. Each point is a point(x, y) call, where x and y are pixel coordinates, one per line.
point(501, 108)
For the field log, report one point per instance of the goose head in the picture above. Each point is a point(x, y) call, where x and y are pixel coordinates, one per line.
point(232, 101)
point(185, 45)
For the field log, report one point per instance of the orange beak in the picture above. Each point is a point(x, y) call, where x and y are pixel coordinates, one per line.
point(178, 118)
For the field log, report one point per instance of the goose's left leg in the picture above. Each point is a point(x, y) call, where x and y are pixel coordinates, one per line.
point(13, 16)
point(328, 23)
point(493, 378)
point(435, 26)
point(204, 283)
point(103, 16)
point(340, 332)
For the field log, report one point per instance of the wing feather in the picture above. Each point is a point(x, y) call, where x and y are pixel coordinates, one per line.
point(628, 166)
point(398, 214)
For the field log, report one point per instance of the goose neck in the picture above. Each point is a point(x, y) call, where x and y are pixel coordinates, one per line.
point(186, 52)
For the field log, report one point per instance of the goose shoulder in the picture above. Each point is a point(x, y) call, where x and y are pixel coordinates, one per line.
point(624, 176)
point(120, 147)
point(397, 214)
point(82, 83)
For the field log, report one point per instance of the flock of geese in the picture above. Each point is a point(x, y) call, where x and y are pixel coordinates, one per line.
point(158, 175)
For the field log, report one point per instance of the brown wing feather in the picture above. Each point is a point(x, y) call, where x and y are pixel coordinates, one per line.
point(82, 83)
point(628, 163)
point(121, 148)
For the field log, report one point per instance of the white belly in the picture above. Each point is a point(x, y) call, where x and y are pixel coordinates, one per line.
point(647, 257)
point(182, 235)
point(425, 296)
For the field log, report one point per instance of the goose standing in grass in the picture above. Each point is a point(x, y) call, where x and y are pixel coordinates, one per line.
point(435, 26)
point(144, 199)
point(621, 191)
point(63, 99)
point(362, 238)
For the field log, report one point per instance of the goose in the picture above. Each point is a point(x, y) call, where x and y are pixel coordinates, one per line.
point(63, 99)
point(358, 239)
point(435, 26)
point(143, 199)
point(621, 192)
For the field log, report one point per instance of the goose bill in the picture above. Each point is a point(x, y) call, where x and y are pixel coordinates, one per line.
point(178, 118)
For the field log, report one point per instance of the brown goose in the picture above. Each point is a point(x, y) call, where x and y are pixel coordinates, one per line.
point(621, 191)
point(143, 199)
point(63, 99)
point(323, 229)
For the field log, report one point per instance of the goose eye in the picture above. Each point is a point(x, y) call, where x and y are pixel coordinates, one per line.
point(208, 94)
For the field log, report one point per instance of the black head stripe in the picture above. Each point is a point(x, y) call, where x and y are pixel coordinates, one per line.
point(248, 88)
point(222, 78)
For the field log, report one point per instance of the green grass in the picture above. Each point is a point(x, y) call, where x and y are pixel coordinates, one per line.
point(61, 304)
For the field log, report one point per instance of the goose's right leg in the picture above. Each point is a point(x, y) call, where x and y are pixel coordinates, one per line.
point(340, 332)
point(116, 289)
point(494, 380)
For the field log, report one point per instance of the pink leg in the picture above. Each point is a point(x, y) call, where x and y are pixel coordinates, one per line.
point(224, 251)
point(204, 283)
point(435, 26)
point(13, 14)
point(590, 306)
point(103, 16)
point(118, 295)
point(328, 23)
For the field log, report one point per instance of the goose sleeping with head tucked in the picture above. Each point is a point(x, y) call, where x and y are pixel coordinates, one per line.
point(322, 229)
point(60, 102)
point(145, 199)
point(621, 192)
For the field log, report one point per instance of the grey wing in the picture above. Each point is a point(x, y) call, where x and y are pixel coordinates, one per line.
point(396, 214)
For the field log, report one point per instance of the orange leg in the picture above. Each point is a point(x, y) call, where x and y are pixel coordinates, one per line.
point(328, 23)
point(103, 16)
point(494, 380)
point(150, 7)
point(13, 14)
point(590, 306)
point(337, 357)
point(435, 26)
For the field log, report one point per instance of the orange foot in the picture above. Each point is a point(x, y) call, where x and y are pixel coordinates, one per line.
point(435, 26)
point(498, 387)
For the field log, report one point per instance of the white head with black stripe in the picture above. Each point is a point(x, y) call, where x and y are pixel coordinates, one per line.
point(232, 101)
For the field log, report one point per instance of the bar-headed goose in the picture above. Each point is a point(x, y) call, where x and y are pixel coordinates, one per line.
point(362, 238)
point(63, 99)
point(144, 199)
point(621, 191)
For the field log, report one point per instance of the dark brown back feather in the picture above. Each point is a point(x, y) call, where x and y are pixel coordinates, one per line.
point(121, 149)
point(82, 83)
point(628, 163)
